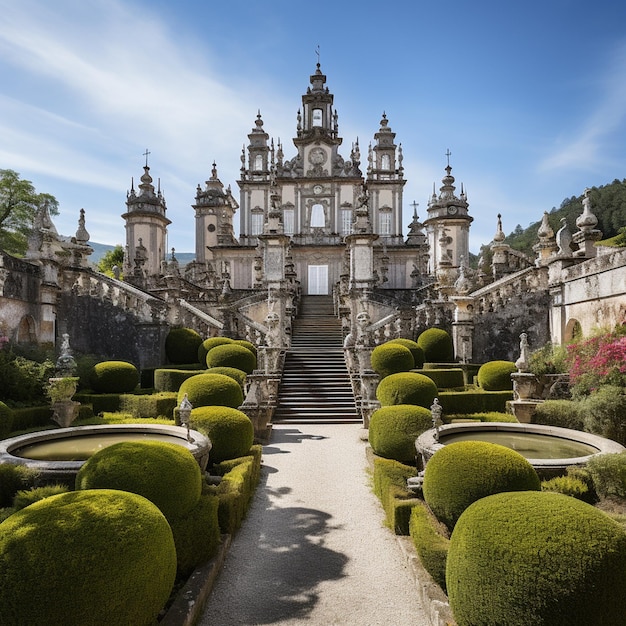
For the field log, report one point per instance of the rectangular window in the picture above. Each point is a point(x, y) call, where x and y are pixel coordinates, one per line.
point(385, 223)
point(346, 221)
point(257, 224)
point(288, 221)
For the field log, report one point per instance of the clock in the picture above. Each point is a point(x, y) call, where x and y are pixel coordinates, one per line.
point(452, 210)
point(317, 189)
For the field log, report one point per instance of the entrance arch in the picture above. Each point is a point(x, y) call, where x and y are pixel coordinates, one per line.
point(573, 330)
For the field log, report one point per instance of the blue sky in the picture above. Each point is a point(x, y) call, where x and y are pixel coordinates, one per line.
point(529, 97)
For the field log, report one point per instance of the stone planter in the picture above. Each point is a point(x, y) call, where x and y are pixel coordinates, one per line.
point(64, 409)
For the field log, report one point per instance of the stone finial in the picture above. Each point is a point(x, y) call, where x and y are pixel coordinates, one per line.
point(587, 221)
point(545, 232)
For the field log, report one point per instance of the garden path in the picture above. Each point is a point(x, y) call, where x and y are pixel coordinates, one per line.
point(313, 548)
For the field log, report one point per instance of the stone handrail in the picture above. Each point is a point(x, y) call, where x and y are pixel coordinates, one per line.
point(209, 320)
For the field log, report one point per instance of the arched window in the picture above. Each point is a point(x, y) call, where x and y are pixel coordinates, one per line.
point(318, 219)
point(258, 162)
point(385, 162)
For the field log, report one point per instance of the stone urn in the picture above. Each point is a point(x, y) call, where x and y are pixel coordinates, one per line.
point(527, 386)
point(60, 391)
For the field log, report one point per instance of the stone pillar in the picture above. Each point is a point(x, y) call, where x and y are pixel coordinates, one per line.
point(361, 248)
point(463, 328)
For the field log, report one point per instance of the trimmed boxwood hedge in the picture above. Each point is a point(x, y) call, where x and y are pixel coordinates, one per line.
point(394, 429)
point(536, 558)
point(86, 557)
point(477, 401)
point(449, 378)
point(152, 405)
point(431, 544)
point(437, 346)
point(496, 375)
point(211, 390)
point(165, 473)
point(181, 345)
point(166, 379)
point(416, 351)
point(114, 377)
point(237, 375)
point(246, 344)
point(391, 358)
point(390, 487)
point(231, 355)
point(406, 388)
point(463, 472)
point(231, 431)
point(209, 343)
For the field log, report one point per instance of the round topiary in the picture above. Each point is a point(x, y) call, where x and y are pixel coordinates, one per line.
point(437, 346)
point(231, 355)
point(463, 472)
point(246, 344)
point(86, 557)
point(496, 375)
point(406, 388)
point(536, 558)
point(114, 377)
point(165, 473)
point(181, 345)
point(238, 375)
point(391, 358)
point(231, 432)
point(394, 429)
point(416, 351)
point(211, 390)
point(209, 343)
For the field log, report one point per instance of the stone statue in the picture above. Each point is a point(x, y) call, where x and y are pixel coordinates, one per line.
point(436, 411)
point(523, 362)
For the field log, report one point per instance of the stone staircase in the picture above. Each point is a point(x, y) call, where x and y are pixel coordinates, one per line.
point(315, 385)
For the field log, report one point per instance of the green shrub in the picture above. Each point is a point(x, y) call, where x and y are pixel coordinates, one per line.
point(26, 497)
point(430, 541)
point(14, 478)
point(608, 472)
point(231, 432)
point(86, 557)
point(391, 358)
point(604, 412)
point(568, 486)
point(165, 473)
point(474, 401)
point(437, 346)
point(151, 405)
point(496, 375)
point(406, 388)
point(114, 377)
point(231, 355)
point(246, 344)
point(416, 351)
point(171, 379)
point(84, 366)
point(211, 390)
point(23, 379)
point(390, 487)
point(461, 473)
point(196, 535)
point(181, 345)
point(394, 429)
point(533, 558)
point(6, 420)
point(489, 416)
point(561, 413)
point(209, 343)
point(100, 402)
point(237, 375)
point(448, 378)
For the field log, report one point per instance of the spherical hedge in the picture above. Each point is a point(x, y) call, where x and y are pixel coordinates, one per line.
point(246, 344)
point(231, 355)
point(416, 351)
point(211, 390)
point(86, 557)
point(536, 558)
point(406, 388)
point(394, 429)
point(496, 375)
point(114, 377)
point(231, 432)
point(463, 472)
point(437, 346)
point(209, 343)
point(181, 345)
point(391, 358)
point(165, 473)
point(238, 375)
point(166, 379)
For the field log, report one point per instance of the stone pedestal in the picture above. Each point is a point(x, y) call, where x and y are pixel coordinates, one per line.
point(523, 409)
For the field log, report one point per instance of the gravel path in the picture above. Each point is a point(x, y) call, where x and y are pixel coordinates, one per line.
point(313, 549)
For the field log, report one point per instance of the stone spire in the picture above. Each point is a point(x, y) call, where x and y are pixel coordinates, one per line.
point(587, 235)
point(546, 246)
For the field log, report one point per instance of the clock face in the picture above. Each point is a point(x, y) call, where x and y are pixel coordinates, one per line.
point(452, 210)
point(317, 189)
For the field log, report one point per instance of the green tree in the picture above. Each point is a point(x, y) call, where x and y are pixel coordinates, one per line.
point(110, 259)
point(19, 202)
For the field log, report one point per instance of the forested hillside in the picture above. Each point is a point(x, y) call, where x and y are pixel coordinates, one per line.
point(608, 203)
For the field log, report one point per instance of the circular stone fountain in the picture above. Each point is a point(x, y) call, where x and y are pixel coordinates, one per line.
point(58, 454)
point(549, 449)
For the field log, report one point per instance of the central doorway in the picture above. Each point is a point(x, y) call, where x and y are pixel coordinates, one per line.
point(318, 280)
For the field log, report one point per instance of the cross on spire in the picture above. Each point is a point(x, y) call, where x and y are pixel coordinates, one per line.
point(415, 205)
point(317, 52)
point(146, 153)
point(448, 155)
